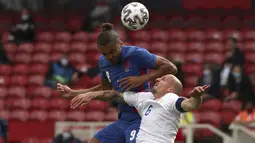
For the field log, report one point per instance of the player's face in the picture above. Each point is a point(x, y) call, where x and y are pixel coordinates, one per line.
point(162, 84)
point(112, 52)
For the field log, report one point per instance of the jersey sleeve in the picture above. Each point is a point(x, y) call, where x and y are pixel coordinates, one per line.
point(102, 73)
point(174, 103)
point(144, 58)
point(137, 98)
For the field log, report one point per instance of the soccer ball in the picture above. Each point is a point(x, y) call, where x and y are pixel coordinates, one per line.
point(134, 16)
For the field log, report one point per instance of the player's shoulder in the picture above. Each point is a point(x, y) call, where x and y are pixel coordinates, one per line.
point(171, 97)
point(102, 61)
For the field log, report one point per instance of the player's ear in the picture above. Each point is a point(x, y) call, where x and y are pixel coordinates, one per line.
point(121, 43)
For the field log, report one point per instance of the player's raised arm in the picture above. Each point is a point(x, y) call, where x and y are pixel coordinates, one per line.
point(195, 100)
point(67, 92)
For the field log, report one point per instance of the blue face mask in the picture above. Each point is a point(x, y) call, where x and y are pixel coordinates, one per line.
point(236, 74)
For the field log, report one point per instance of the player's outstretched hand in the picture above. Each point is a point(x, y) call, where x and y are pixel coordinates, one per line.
point(81, 100)
point(64, 90)
point(199, 90)
point(130, 82)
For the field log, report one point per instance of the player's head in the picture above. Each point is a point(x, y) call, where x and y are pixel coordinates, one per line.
point(109, 43)
point(167, 84)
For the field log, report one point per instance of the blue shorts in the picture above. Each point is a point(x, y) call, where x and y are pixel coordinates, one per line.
point(119, 132)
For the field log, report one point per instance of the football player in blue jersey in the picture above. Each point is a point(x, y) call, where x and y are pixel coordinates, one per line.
point(123, 68)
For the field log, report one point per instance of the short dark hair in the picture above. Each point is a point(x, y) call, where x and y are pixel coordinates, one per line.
point(107, 35)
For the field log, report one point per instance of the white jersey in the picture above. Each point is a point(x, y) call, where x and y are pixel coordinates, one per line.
point(160, 118)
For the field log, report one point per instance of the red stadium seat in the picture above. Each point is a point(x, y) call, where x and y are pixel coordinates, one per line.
point(227, 117)
point(40, 103)
point(160, 47)
point(213, 35)
point(61, 47)
point(25, 48)
point(22, 103)
point(42, 58)
point(17, 91)
point(57, 115)
point(56, 56)
point(59, 103)
point(45, 37)
point(19, 80)
point(141, 35)
point(95, 116)
point(5, 70)
point(5, 114)
point(21, 115)
point(211, 117)
point(177, 22)
point(176, 35)
point(249, 35)
point(20, 69)
point(63, 36)
point(43, 47)
point(40, 91)
point(111, 116)
point(196, 47)
point(96, 105)
point(194, 58)
point(177, 56)
point(39, 115)
point(22, 58)
point(77, 58)
point(249, 46)
point(234, 105)
point(10, 47)
point(211, 105)
point(78, 47)
point(214, 58)
point(4, 81)
point(250, 57)
point(3, 92)
point(2, 105)
point(76, 116)
point(5, 37)
point(192, 69)
point(145, 45)
point(74, 23)
point(214, 47)
point(36, 80)
point(177, 47)
point(30, 140)
point(80, 36)
point(195, 35)
point(159, 35)
point(250, 68)
point(95, 81)
point(38, 69)
point(191, 80)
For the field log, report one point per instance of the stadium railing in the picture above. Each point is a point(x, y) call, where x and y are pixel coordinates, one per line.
point(242, 134)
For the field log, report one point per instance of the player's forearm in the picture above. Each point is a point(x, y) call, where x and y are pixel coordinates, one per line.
point(194, 103)
point(107, 95)
point(82, 91)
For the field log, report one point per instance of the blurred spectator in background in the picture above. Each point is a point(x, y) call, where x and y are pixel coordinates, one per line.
point(3, 56)
point(61, 71)
point(66, 137)
point(24, 31)
point(234, 52)
point(210, 77)
point(224, 72)
point(239, 86)
point(247, 116)
point(3, 131)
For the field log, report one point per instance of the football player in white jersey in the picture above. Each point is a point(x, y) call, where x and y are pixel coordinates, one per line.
point(160, 109)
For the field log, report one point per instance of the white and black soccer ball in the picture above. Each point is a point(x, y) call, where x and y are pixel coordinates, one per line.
point(134, 16)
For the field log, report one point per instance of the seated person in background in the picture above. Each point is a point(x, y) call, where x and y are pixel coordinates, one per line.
point(160, 109)
point(239, 86)
point(210, 77)
point(24, 31)
point(60, 71)
point(246, 116)
point(224, 73)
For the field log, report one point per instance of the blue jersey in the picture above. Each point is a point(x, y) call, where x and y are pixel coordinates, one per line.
point(134, 62)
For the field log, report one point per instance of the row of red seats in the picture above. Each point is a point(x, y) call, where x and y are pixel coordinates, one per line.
point(45, 104)
point(58, 115)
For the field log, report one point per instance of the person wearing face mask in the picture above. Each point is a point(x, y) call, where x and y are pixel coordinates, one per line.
point(24, 31)
point(239, 86)
point(247, 116)
point(210, 76)
point(66, 137)
point(61, 71)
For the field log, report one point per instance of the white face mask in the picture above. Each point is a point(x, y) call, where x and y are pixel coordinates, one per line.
point(207, 72)
point(66, 135)
point(64, 61)
point(24, 16)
